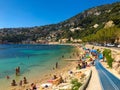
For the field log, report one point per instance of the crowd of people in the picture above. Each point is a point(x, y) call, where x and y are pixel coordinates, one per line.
point(81, 64)
point(24, 81)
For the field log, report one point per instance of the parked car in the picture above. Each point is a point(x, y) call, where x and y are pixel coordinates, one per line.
point(110, 45)
point(118, 46)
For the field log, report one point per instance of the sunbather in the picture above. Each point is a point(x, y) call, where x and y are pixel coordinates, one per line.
point(24, 80)
point(13, 83)
point(54, 77)
point(56, 80)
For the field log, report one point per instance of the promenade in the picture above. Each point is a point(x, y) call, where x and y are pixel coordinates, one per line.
point(94, 83)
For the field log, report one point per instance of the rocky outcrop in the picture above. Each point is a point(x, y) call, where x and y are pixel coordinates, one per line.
point(109, 24)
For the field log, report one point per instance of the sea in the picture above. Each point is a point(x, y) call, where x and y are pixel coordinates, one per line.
point(33, 60)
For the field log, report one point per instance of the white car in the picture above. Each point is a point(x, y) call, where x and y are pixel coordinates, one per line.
point(110, 45)
point(118, 45)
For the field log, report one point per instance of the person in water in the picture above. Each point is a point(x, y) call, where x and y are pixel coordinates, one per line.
point(56, 64)
point(7, 77)
point(17, 70)
point(62, 56)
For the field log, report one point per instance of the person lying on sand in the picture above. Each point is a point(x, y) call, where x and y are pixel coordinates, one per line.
point(33, 86)
point(56, 80)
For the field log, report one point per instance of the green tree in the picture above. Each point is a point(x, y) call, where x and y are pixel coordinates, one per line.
point(107, 55)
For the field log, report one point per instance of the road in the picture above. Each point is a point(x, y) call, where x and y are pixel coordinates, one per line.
point(108, 80)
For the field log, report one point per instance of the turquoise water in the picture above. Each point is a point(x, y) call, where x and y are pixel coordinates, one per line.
point(33, 60)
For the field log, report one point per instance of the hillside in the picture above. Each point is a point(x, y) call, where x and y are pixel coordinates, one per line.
point(94, 19)
point(79, 26)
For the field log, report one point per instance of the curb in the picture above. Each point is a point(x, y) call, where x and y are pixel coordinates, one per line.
point(84, 86)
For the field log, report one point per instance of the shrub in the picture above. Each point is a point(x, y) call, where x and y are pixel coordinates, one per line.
point(107, 55)
point(76, 84)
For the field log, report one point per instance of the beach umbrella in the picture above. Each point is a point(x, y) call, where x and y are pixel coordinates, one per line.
point(93, 50)
point(100, 56)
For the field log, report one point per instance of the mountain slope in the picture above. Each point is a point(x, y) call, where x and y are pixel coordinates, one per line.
point(81, 25)
point(98, 15)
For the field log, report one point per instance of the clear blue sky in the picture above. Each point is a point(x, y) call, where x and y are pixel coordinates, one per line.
point(27, 13)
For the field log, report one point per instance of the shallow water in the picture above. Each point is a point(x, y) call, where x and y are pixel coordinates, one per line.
point(34, 60)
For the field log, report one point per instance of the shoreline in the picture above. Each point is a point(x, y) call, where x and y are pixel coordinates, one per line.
point(48, 75)
point(60, 71)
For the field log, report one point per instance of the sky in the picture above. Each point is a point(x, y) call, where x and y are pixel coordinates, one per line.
point(29, 13)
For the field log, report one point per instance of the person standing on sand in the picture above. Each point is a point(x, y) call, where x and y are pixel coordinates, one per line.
point(20, 83)
point(13, 83)
point(24, 80)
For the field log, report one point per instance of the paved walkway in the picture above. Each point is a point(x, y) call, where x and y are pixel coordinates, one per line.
point(94, 83)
